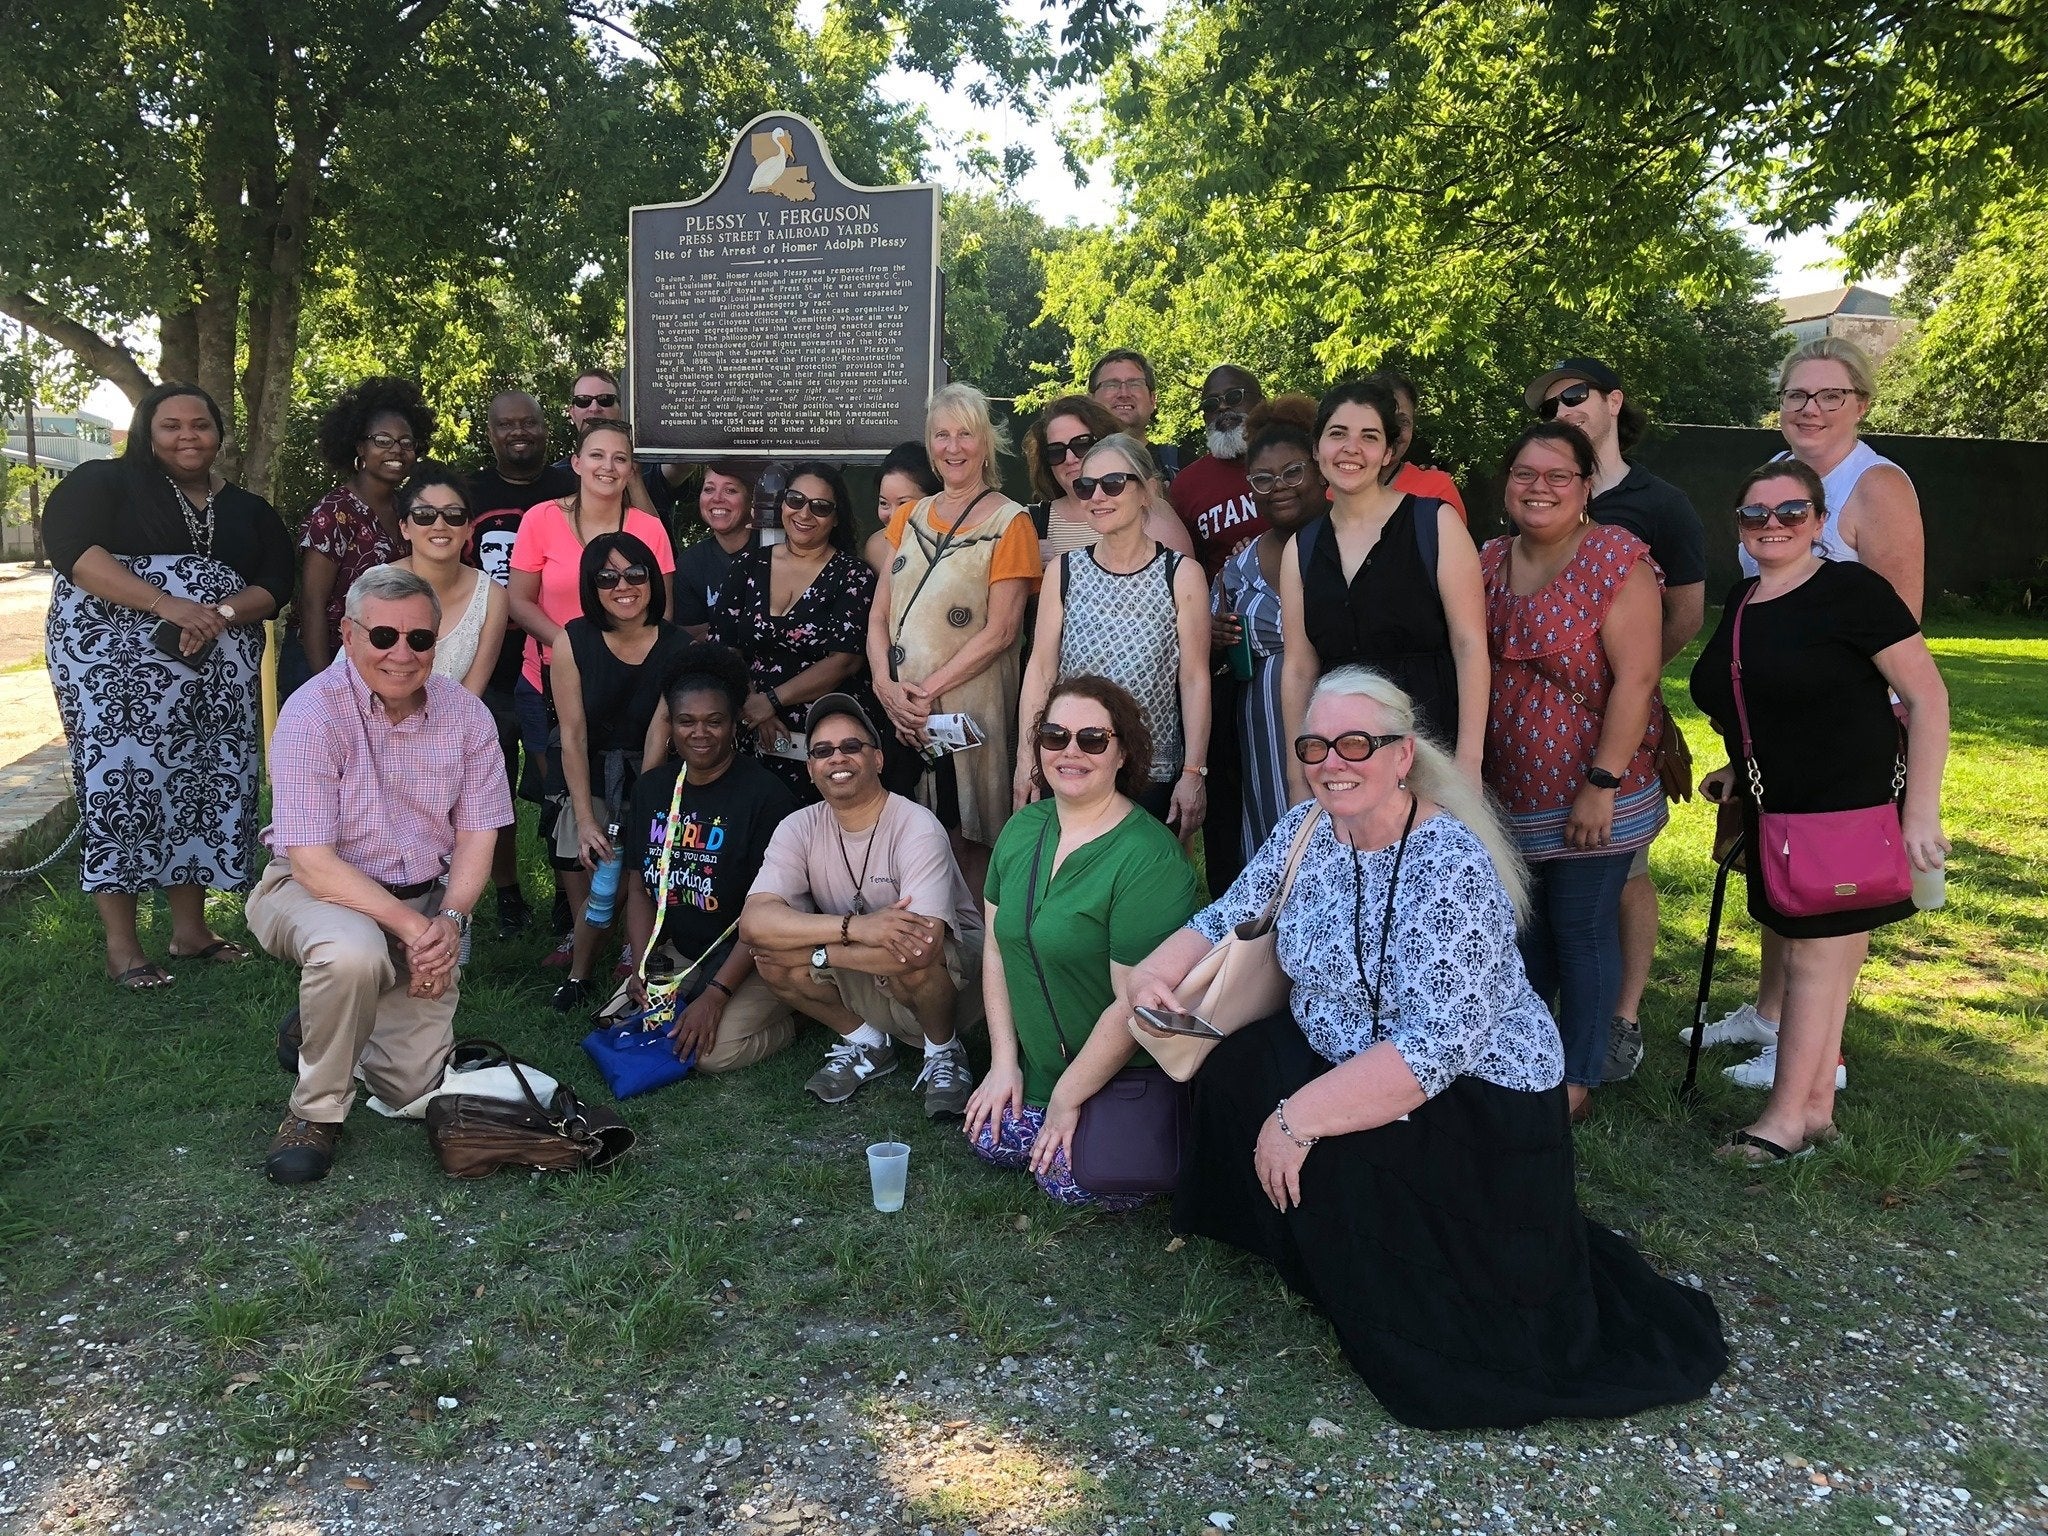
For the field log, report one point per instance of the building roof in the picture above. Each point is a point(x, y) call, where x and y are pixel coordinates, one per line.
point(1853, 297)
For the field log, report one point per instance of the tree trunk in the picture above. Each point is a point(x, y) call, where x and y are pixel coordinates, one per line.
point(109, 359)
point(284, 300)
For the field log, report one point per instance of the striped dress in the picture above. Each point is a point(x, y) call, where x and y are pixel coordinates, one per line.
point(1241, 588)
point(1549, 697)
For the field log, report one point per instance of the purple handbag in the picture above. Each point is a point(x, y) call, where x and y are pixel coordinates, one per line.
point(1131, 1131)
point(1817, 862)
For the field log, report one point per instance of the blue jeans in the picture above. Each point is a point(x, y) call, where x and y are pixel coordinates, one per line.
point(1571, 948)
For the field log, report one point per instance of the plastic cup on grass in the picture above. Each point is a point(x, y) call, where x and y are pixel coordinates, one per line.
point(888, 1171)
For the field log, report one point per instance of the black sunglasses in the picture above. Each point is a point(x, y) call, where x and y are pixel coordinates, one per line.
point(384, 636)
point(424, 516)
point(1092, 739)
point(796, 501)
point(1056, 453)
point(1574, 394)
point(1112, 485)
point(1225, 400)
point(1352, 746)
point(852, 746)
point(585, 402)
point(1790, 514)
point(611, 576)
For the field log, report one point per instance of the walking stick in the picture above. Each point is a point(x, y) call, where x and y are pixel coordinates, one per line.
point(1689, 1089)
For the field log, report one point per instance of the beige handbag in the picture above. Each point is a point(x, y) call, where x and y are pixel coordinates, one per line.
point(1237, 983)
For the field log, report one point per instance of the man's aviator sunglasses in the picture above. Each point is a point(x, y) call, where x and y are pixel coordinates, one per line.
point(383, 637)
point(1352, 746)
point(1572, 394)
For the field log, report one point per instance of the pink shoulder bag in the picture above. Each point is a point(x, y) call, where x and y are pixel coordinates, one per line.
point(1817, 862)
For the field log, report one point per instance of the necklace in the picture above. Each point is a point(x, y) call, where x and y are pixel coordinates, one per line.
point(198, 521)
point(860, 881)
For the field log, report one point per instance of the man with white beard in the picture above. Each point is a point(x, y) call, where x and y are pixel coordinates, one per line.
point(1212, 495)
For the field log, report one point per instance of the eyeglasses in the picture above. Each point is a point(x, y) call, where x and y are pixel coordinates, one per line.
point(1092, 739)
point(1056, 453)
point(853, 746)
point(1112, 485)
point(612, 575)
point(1352, 746)
point(1826, 399)
point(1571, 394)
point(797, 501)
point(1120, 386)
point(425, 516)
point(1227, 399)
point(1290, 475)
point(383, 637)
point(1790, 514)
point(385, 442)
point(1556, 479)
point(585, 402)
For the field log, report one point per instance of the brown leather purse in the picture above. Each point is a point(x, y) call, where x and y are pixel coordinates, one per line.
point(1674, 757)
point(474, 1136)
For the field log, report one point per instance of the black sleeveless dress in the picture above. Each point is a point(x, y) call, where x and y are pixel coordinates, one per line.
point(1387, 617)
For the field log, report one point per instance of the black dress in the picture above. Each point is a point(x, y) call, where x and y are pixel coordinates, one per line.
point(1447, 1250)
point(1820, 714)
point(1387, 617)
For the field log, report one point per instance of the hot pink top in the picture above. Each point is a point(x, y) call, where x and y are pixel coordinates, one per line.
point(547, 543)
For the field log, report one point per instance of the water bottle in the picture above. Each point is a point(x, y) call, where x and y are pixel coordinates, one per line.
point(1930, 888)
point(604, 885)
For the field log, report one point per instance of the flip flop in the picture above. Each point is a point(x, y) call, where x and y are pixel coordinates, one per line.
point(1757, 1152)
point(220, 952)
point(146, 977)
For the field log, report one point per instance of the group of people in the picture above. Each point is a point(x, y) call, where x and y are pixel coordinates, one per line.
point(952, 778)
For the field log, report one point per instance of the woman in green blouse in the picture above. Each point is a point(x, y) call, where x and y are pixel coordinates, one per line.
point(1081, 887)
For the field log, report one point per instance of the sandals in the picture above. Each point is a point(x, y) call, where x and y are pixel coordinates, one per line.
point(1757, 1152)
point(146, 977)
point(220, 952)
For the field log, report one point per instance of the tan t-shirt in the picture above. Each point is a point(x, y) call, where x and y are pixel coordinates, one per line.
point(815, 867)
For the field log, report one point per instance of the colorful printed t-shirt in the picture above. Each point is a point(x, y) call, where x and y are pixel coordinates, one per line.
point(721, 832)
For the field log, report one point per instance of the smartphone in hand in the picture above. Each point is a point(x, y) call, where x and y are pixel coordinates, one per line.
point(1173, 1022)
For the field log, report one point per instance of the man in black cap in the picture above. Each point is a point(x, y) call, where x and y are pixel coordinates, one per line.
point(1587, 393)
point(860, 919)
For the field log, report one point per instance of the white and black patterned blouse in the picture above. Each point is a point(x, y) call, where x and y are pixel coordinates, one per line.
point(1457, 1001)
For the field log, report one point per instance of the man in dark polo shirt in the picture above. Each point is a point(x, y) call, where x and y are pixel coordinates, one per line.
point(518, 477)
point(1212, 495)
point(1588, 394)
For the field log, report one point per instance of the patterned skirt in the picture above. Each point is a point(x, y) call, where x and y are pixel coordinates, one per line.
point(164, 756)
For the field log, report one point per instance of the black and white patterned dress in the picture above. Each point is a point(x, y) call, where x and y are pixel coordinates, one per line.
point(1126, 628)
point(164, 754)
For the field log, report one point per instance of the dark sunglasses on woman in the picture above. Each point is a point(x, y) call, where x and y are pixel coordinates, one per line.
point(424, 516)
point(797, 501)
point(1112, 485)
point(612, 575)
point(1092, 739)
point(1571, 394)
point(1790, 514)
point(383, 637)
point(1352, 746)
point(1056, 453)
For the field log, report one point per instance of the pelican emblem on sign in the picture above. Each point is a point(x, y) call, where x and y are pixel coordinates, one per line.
point(774, 171)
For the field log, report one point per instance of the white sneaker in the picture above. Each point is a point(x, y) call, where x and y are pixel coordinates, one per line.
point(1762, 1070)
point(1745, 1026)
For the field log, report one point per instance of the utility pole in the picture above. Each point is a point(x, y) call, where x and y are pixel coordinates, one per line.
point(35, 474)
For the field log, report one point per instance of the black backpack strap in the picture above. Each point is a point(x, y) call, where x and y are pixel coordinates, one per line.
point(1063, 576)
point(1305, 545)
point(1427, 510)
point(1172, 566)
point(1040, 513)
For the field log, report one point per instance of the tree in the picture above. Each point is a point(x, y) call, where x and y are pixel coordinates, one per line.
point(1345, 192)
point(993, 253)
point(1976, 364)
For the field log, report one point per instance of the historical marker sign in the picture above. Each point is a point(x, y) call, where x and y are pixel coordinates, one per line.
point(787, 312)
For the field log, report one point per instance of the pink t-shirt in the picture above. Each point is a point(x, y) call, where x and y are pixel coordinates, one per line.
point(547, 543)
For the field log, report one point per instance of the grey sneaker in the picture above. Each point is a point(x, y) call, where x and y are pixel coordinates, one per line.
point(847, 1065)
point(1624, 1051)
point(947, 1081)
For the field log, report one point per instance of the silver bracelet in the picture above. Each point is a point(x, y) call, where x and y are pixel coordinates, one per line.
point(1280, 1116)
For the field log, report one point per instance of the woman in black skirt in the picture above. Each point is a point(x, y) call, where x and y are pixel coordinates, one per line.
point(1397, 1144)
point(1822, 640)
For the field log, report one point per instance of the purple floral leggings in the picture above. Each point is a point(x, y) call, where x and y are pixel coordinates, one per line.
point(1010, 1147)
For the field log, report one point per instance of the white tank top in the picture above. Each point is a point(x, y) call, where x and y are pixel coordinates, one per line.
point(1839, 484)
point(456, 649)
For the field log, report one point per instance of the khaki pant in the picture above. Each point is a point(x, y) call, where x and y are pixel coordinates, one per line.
point(874, 1000)
point(354, 1012)
point(755, 1025)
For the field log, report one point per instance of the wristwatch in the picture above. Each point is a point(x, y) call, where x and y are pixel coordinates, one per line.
point(458, 917)
point(1600, 778)
point(226, 611)
point(820, 961)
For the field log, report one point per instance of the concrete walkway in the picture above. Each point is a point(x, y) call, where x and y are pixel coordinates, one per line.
point(35, 772)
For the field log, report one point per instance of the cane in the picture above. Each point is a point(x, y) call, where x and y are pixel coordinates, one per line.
point(1689, 1089)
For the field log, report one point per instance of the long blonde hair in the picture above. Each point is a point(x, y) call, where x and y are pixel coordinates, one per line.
point(1435, 776)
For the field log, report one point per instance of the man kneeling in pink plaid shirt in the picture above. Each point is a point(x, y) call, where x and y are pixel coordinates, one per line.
point(387, 792)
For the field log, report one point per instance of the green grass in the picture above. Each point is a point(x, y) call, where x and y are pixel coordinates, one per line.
point(733, 1262)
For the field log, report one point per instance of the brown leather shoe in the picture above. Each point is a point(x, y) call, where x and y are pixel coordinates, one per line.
point(302, 1151)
